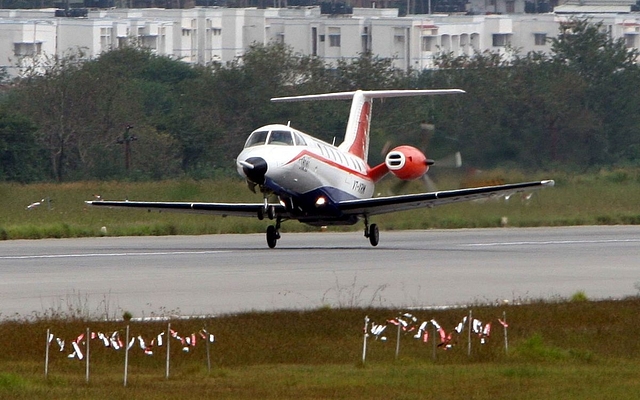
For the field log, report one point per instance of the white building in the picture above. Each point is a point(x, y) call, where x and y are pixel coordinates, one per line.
point(204, 35)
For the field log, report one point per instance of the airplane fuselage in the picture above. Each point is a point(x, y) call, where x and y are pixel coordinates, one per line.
point(307, 174)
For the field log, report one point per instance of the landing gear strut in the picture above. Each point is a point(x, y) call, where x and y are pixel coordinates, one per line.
point(267, 210)
point(371, 232)
point(273, 234)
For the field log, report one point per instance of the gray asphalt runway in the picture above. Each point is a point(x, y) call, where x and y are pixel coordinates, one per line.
point(186, 275)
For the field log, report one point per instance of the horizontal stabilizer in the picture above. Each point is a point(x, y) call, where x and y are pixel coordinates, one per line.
point(368, 94)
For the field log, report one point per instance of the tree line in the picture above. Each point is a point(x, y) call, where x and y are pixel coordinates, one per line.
point(70, 118)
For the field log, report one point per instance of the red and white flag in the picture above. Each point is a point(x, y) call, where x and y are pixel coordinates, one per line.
point(477, 326)
point(421, 329)
point(461, 325)
point(115, 341)
point(485, 333)
point(77, 352)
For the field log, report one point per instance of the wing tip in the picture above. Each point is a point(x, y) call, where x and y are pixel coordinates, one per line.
point(548, 183)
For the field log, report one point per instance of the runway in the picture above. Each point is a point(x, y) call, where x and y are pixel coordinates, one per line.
point(210, 275)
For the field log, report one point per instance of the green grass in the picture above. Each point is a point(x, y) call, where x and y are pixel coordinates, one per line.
point(604, 198)
point(557, 349)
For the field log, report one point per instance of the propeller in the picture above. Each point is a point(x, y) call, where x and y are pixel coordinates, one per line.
point(451, 161)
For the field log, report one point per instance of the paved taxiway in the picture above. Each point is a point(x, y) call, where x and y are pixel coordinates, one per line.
point(229, 273)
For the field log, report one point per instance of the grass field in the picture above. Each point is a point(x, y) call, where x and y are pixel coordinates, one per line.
point(556, 349)
point(607, 197)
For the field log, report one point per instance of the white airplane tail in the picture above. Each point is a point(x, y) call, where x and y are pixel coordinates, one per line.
point(356, 138)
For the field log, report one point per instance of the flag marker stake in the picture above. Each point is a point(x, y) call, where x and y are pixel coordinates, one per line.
point(469, 334)
point(126, 357)
point(168, 349)
point(398, 342)
point(88, 339)
point(506, 341)
point(46, 356)
point(364, 341)
point(434, 340)
point(206, 332)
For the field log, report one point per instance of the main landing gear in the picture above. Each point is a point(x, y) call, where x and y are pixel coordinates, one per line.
point(371, 232)
point(273, 234)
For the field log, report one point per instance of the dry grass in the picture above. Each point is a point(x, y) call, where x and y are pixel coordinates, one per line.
point(557, 349)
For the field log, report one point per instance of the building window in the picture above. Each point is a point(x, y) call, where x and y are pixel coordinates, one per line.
point(540, 39)
point(630, 41)
point(27, 49)
point(500, 40)
point(105, 38)
point(398, 36)
point(334, 37)
point(511, 7)
point(428, 43)
point(366, 46)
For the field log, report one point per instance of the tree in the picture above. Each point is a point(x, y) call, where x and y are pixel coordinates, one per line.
point(20, 155)
point(53, 99)
point(611, 74)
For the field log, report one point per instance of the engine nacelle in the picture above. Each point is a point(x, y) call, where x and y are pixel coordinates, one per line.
point(407, 162)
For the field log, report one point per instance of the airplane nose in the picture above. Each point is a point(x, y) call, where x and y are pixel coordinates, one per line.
point(254, 169)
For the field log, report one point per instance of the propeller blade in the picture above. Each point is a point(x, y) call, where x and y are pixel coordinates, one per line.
point(451, 161)
point(429, 183)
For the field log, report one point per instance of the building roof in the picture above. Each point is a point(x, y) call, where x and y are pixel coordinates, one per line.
point(592, 9)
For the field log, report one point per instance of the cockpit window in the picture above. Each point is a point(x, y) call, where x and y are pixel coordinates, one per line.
point(281, 138)
point(257, 138)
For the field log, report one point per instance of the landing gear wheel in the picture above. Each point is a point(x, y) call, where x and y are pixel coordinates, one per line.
point(272, 236)
point(271, 212)
point(374, 235)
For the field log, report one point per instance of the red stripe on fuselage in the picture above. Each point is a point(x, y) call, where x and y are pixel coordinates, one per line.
point(329, 162)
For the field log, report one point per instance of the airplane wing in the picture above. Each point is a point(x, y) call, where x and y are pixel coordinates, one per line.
point(372, 206)
point(381, 205)
point(223, 209)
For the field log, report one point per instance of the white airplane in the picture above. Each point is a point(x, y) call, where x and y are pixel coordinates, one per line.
point(321, 184)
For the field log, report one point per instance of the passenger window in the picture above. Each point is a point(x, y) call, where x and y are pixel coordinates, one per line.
point(281, 137)
point(256, 138)
point(299, 140)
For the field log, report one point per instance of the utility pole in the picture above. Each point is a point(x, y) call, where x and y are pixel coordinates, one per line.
point(126, 139)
